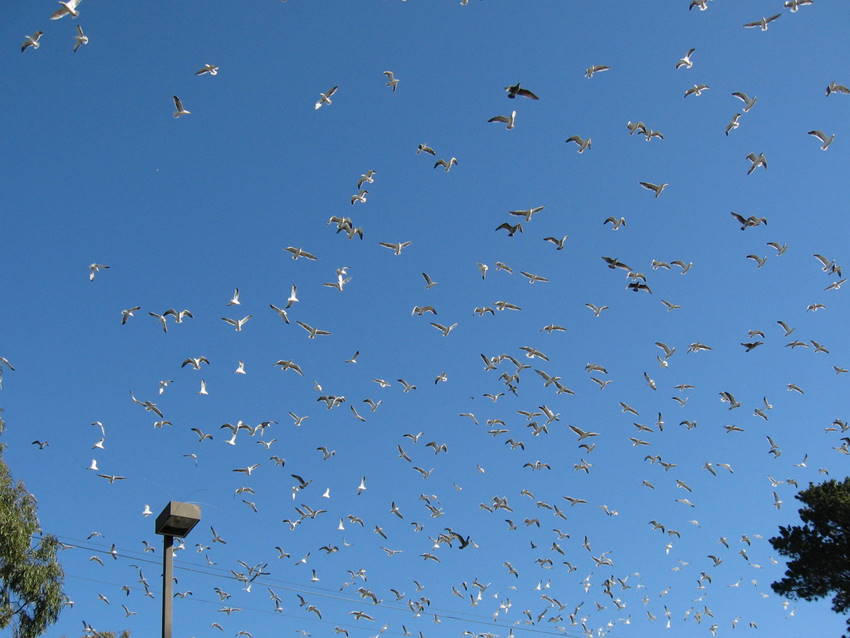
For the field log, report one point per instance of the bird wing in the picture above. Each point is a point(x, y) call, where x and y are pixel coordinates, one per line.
point(306, 327)
point(59, 13)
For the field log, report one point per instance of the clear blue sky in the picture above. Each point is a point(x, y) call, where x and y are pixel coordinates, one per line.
point(186, 210)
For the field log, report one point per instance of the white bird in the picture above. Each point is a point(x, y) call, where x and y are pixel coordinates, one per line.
point(445, 330)
point(825, 140)
point(590, 71)
point(508, 120)
point(312, 332)
point(756, 161)
point(533, 278)
point(447, 165)
point(298, 420)
point(291, 365)
point(392, 80)
point(80, 39)
point(597, 310)
point(246, 470)
point(238, 324)
point(32, 41)
point(178, 104)
point(234, 300)
point(696, 89)
point(762, 23)
point(396, 248)
point(293, 297)
point(656, 188)
point(582, 143)
point(127, 313)
point(795, 5)
point(207, 69)
point(325, 98)
point(300, 252)
point(734, 123)
point(366, 178)
point(749, 102)
point(558, 243)
point(281, 312)
point(68, 7)
point(685, 60)
point(96, 268)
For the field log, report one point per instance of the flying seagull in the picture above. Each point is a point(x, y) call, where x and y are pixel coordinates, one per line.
point(325, 98)
point(447, 165)
point(590, 71)
point(178, 104)
point(656, 188)
point(825, 139)
point(756, 161)
point(80, 39)
point(67, 8)
point(749, 102)
point(392, 80)
point(685, 60)
point(207, 69)
point(507, 120)
point(32, 41)
point(582, 143)
point(515, 90)
point(762, 23)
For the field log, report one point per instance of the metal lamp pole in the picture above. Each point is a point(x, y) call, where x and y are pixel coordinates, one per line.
point(177, 519)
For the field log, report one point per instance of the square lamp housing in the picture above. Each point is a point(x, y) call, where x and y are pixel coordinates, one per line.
point(177, 519)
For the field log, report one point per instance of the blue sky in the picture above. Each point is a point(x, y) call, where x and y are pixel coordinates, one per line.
point(186, 210)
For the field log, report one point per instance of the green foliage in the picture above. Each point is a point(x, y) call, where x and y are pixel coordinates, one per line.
point(819, 549)
point(30, 575)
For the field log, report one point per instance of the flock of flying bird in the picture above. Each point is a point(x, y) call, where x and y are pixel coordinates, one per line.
point(437, 541)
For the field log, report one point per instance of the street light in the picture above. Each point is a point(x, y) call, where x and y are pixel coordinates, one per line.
point(177, 519)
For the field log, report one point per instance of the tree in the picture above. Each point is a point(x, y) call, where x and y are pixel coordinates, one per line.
point(30, 575)
point(819, 549)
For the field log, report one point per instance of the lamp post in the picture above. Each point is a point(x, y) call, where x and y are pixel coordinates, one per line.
point(177, 519)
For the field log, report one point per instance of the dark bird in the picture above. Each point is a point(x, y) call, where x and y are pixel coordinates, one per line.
point(515, 90)
point(512, 229)
point(463, 541)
